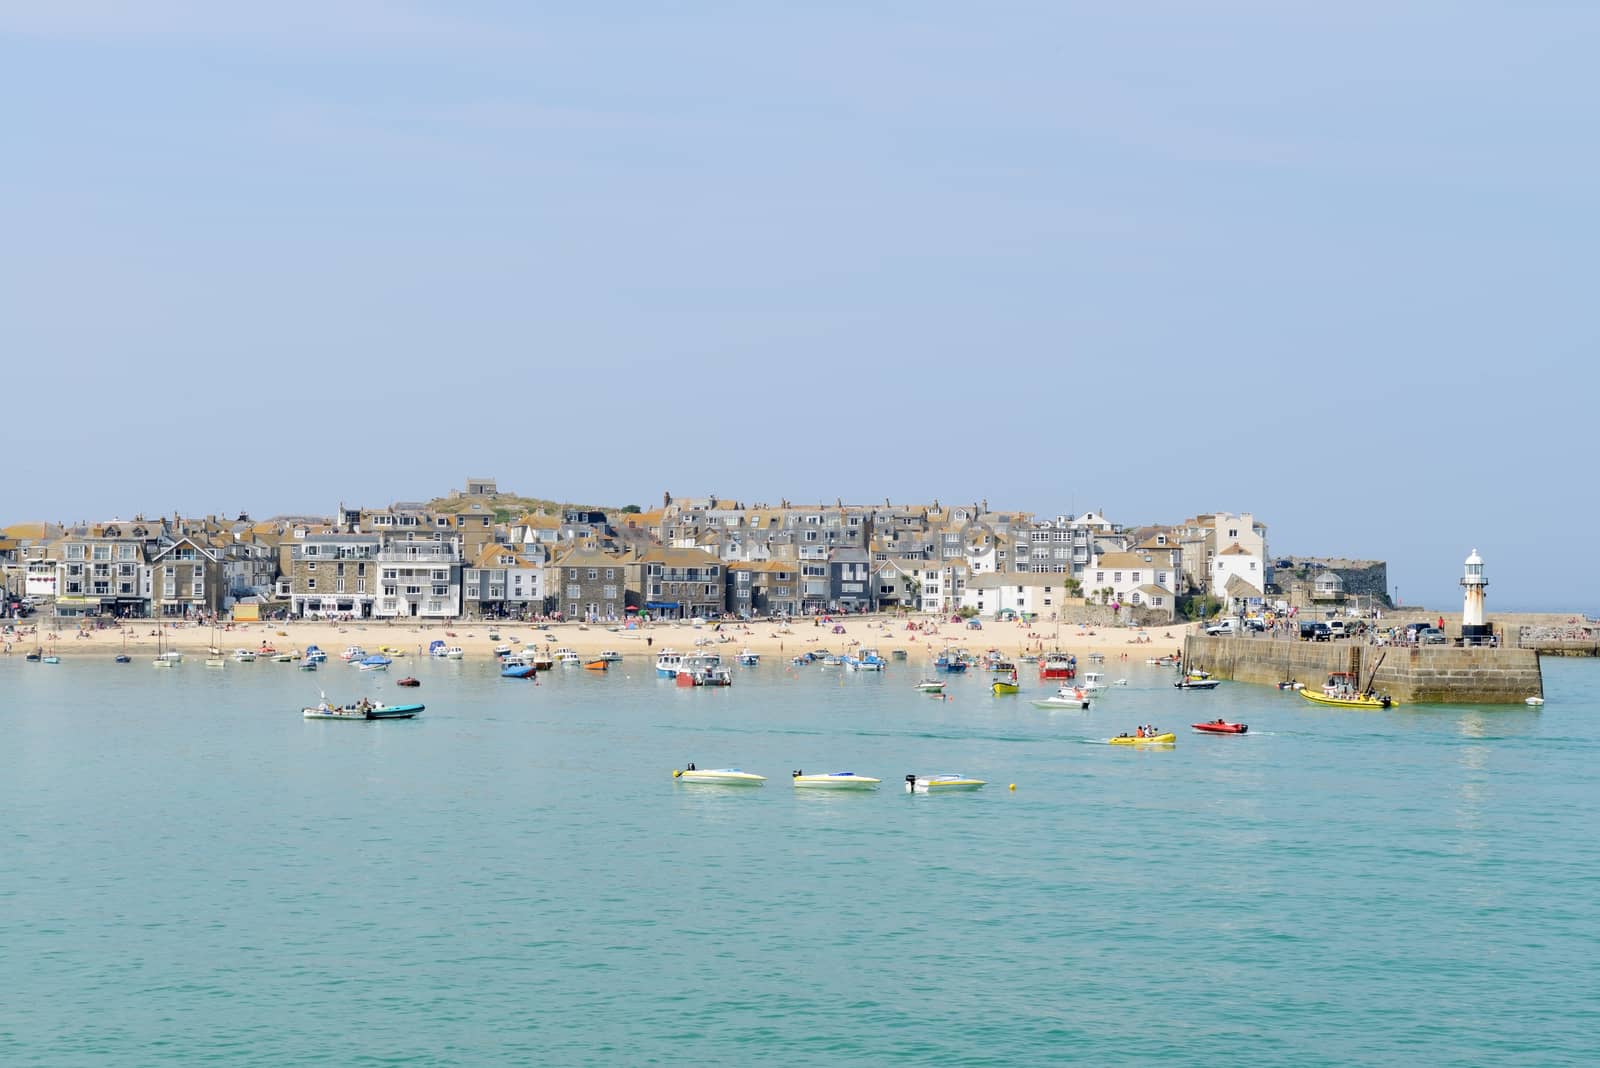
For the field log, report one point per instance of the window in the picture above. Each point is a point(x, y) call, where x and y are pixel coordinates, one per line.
point(169, 571)
point(338, 584)
point(1233, 533)
point(609, 593)
point(441, 590)
point(74, 552)
point(102, 552)
point(311, 565)
point(611, 573)
point(311, 584)
point(573, 590)
point(199, 588)
point(594, 573)
point(1099, 576)
point(199, 570)
point(1116, 576)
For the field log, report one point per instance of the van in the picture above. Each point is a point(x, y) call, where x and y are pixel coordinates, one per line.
point(1336, 628)
point(1223, 628)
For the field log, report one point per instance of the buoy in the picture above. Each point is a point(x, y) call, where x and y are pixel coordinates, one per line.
point(676, 773)
point(1013, 786)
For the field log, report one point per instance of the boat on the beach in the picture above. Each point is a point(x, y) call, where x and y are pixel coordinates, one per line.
point(436, 647)
point(1343, 690)
point(314, 654)
point(835, 780)
point(1153, 739)
point(1066, 697)
point(455, 652)
point(747, 658)
point(361, 710)
point(1058, 666)
point(941, 784)
point(718, 776)
point(354, 654)
point(244, 656)
point(1219, 726)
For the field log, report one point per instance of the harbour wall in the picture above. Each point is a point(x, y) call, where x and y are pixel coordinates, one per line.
point(1431, 674)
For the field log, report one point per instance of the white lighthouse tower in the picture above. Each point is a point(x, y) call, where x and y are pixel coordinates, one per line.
point(1474, 631)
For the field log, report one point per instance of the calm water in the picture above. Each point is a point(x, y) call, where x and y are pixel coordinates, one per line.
point(190, 873)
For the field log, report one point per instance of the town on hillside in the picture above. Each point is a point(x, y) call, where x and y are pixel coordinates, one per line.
point(478, 554)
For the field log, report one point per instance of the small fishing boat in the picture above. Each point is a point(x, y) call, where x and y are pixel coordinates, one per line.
point(950, 665)
point(1093, 680)
point(1066, 697)
point(1001, 687)
point(244, 656)
point(215, 662)
point(897, 654)
point(542, 661)
point(284, 658)
point(869, 660)
point(940, 784)
point(361, 710)
point(931, 686)
point(50, 658)
point(1290, 684)
point(122, 658)
point(502, 650)
point(1097, 658)
point(611, 656)
point(169, 659)
point(598, 663)
point(748, 658)
point(436, 647)
point(567, 658)
point(835, 780)
point(354, 654)
point(375, 662)
point(315, 655)
point(705, 675)
point(1189, 682)
point(455, 652)
point(719, 776)
point(408, 681)
point(517, 669)
point(1535, 701)
point(1058, 666)
point(1154, 739)
point(308, 665)
point(803, 660)
point(1220, 726)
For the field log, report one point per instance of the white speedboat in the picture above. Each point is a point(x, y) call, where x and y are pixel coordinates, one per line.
point(244, 656)
point(1066, 697)
point(354, 654)
point(1093, 680)
point(455, 652)
point(361, 710)
point(836, 780)
point(748, 658)
point(931, 686)
point(940, 784)
point(719, 776)
point(567, 657)
point(610, 656)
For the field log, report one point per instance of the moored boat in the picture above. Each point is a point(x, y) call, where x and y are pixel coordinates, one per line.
point(940, 784)
point(516, 668)
point(244, 656)
point(835, 780)
point(1002, 687)
point(598, 663)
point(931, 686)
point(748, 658)
point(611, 656)
point(408, 681)
point(1058, 666)
point(718, 776)
point(1189, 682)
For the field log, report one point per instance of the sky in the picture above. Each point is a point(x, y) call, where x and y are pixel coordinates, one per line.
point(1331, 264)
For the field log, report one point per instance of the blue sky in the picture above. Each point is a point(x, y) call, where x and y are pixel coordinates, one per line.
point(1327, 263)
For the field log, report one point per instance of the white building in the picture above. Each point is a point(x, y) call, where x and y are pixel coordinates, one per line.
point(1030, 594)
point(1238, 548)
point(1140, 579)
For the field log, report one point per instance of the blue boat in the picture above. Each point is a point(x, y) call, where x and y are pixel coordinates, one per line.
point(436, 647)
point(517, 668)
point(950, 665)
point(314, 655)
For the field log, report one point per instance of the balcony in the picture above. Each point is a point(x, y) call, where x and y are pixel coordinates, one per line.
point(441, 556)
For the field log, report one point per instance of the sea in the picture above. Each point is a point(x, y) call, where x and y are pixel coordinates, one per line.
point(191, 873)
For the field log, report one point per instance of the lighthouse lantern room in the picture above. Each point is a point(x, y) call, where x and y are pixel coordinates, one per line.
point(1474, 630)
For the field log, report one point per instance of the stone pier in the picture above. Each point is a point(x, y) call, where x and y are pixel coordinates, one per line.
point(1430, 674)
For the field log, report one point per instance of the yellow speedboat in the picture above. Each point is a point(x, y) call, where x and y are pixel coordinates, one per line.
point(1160, 739)
point(1342, 691)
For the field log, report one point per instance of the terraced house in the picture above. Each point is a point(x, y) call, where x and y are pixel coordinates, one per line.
point(187, 579)
point(332, 574)
point(682, 583)
point(590, 584)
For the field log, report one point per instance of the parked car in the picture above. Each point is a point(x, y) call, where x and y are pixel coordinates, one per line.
point(1337, 629)
point(1257, 625)
point(1315, 631)
point(1431, 636)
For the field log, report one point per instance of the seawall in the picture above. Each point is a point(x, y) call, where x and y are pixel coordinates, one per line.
point(1434, 674)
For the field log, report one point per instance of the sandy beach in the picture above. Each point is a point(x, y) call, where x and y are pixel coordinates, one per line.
point(883, 632)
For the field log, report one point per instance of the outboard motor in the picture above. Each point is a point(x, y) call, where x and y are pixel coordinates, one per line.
point(796, 773)
point(911, 783)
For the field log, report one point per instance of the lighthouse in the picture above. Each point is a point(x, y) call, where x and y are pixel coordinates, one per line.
point(1474, 631)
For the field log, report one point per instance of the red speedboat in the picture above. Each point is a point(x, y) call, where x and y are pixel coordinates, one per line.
point(1221, 727)
point(408, 681)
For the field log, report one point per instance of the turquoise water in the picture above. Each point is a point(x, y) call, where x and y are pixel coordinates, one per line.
point(190, 873)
